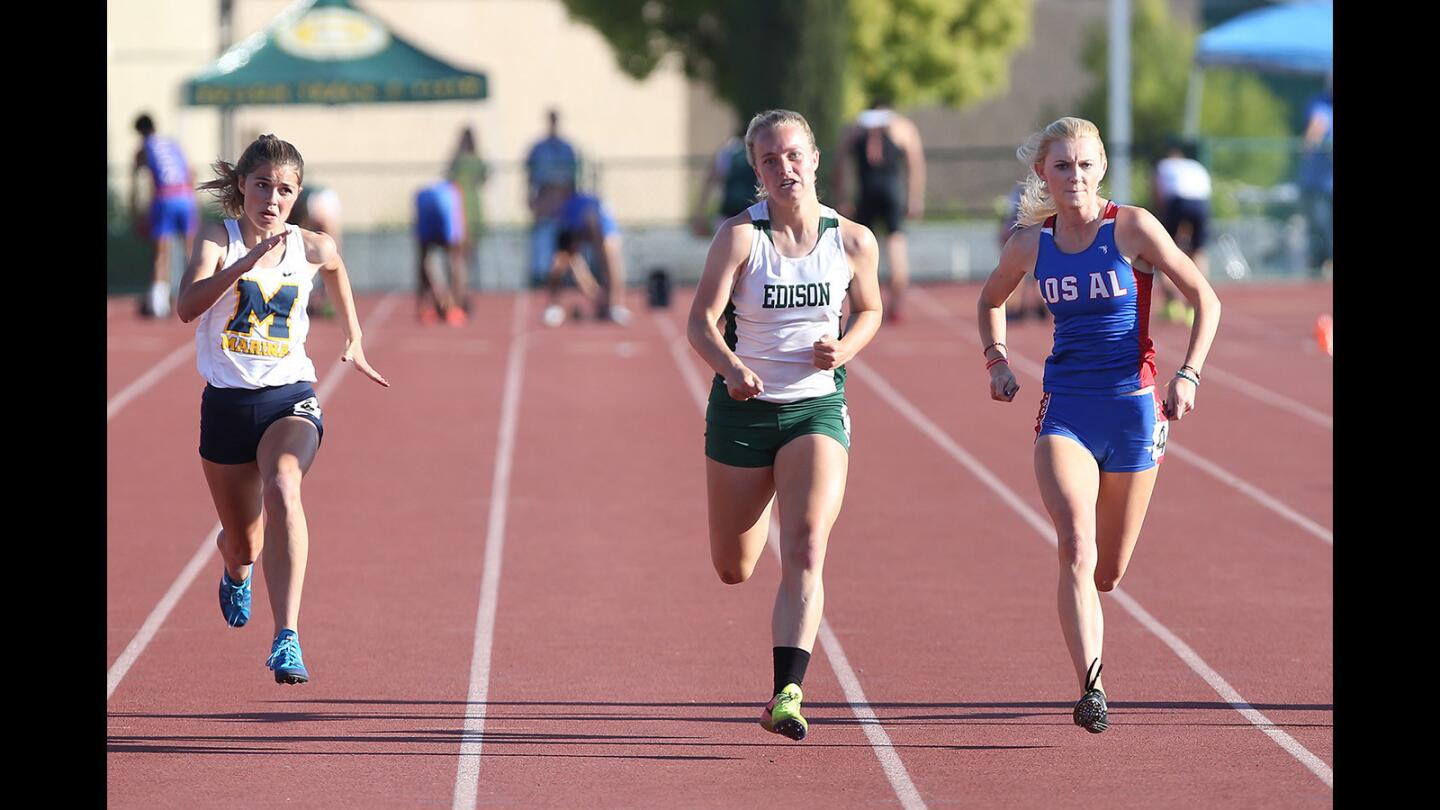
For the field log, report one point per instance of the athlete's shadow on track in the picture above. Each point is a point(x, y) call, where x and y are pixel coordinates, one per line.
point(831, 714)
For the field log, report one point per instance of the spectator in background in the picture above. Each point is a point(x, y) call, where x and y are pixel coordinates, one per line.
point(553, 171)
point(1182, 195)
point(440, 229)
point(882, 142)
point(1026, 297)
point(173, 209)
point(469, 173)
point(1317, 180)
point(732, 174)
point(585, 221)
point(317, 208)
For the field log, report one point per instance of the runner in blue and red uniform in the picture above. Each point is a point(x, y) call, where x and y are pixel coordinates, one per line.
point(1102, 425)
point(173, 210)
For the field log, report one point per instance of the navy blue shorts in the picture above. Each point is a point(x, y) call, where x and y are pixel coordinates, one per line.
point(232, 420)
point(1124, 432)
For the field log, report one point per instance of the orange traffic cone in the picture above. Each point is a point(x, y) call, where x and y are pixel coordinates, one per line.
point(1325, 334)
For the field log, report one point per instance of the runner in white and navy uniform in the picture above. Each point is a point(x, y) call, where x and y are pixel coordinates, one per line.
point(1102, 425)
point(777, 427)
point(248, 282)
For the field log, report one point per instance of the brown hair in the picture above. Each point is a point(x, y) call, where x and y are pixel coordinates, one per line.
point(266, 149)
point(771, 119)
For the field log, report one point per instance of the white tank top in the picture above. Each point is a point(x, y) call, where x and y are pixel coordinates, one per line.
point(780, 306)
point(1183, 178)
point(254, 335)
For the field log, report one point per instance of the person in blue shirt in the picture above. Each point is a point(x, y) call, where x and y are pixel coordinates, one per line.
point(552, 170)
point(1317, 180)
point(1101, 431)
point(586, 221)
point(173, 208)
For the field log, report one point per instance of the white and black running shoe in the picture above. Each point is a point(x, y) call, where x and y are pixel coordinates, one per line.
point(1091, 713)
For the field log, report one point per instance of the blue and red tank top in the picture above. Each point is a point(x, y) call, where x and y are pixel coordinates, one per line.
point(167, 167)
point(1101, 306)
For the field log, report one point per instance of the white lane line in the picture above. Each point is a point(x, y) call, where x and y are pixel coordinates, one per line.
point(1259, 392)
point(149, 378)
point(1044, 528)
point(201, 558)
point(1021, 364)
point(467, 772)
point(890, 761)
point(1253, 492)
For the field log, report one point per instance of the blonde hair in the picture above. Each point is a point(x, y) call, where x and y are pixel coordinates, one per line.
point(265, 149)
point(1035, 201)
point(773, 119)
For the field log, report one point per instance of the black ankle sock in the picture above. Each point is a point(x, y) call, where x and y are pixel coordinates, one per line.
point(790, 664)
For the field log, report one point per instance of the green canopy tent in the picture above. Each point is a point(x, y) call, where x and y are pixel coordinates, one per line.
point(328, 52)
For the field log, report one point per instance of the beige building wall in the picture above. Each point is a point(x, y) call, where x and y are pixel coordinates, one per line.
point(376, 156)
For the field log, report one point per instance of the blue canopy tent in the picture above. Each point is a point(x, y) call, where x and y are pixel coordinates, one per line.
point(1295, 37)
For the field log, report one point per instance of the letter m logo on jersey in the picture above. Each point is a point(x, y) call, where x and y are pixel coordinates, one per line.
point(253, 309)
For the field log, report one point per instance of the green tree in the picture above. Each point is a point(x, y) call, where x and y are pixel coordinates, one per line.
point(1234, 104)
point(823, 58)
point(738, 48)
point(951, 52)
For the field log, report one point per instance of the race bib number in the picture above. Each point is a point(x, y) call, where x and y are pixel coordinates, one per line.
point(1162, 432)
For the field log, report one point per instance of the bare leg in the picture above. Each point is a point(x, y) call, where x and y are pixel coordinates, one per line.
point(235, 489)
point(739, 501)
point(1119, 513)
point(614, 271)
point(898, 254)
point(161, 271)
point(459, 274)
point(285, 454)
point(584, 279)
point(1069, 480)
point(810, 475)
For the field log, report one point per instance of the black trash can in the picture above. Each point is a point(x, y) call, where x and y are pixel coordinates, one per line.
point(657, 286)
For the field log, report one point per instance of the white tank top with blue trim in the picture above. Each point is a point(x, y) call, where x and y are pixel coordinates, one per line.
point(780, 306)
point(254, 335)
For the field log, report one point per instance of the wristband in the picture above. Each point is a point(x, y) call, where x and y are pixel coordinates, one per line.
point(997, 361)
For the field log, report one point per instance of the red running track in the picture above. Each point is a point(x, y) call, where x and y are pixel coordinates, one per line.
point(619, 671)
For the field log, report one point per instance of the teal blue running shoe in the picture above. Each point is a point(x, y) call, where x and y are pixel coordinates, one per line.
point(235, 599)
point(285, 659)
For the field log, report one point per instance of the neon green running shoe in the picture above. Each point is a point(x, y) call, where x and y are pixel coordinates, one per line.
point(782, 713)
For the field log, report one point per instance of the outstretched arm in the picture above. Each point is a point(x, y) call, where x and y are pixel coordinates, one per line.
point(320, 249)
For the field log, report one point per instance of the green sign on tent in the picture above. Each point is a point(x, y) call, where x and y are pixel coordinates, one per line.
point(328, 52)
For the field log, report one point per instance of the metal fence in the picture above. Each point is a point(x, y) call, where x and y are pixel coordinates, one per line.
point(1258, 226)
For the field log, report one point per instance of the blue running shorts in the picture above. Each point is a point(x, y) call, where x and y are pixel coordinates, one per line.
point(1124, 432)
